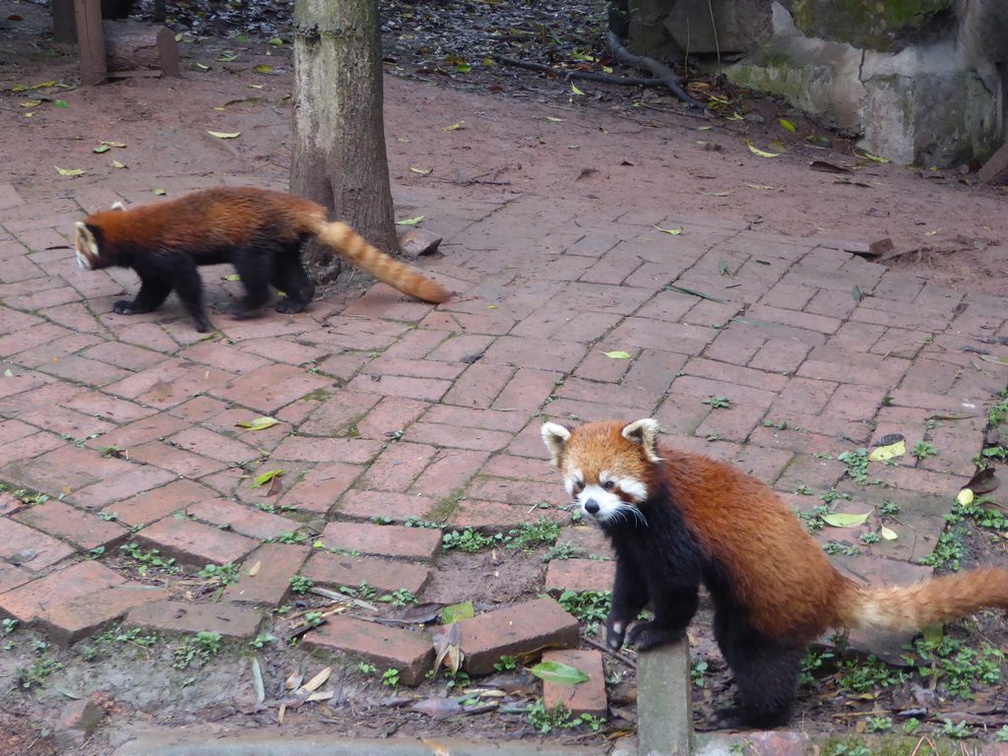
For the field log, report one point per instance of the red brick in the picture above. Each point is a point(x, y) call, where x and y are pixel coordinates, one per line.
point(412, 653)
point(141, 431)
point(19, 539)
point(312, 449)
point(384, 575)
point(518, 630)
point(467, 417)
point(397, 466)
point(588, 697)
point(208, 443)
point(429, 389)
point(461, 348)
point(527, 390)
point(382, 540)
point(393, 506)
point(84, 530)
point(321, 487)
point(338, 414)
point(390, 415)
point(179, 461)
point(71, 620)
point(478, 385)
point(488, 515)
point(11, 577)
point(453, 436)
point(661, 336)
point(230, 620)
point(450, 471)
point(242, 519)
point(195, 543)
point(28, 602)
point(276, 564)
point(170, 383)
point(536, 353)
point(155, 504)
point(580, 575)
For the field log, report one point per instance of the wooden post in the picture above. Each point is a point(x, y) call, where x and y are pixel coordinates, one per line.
point(64, 28)
point(90, 42)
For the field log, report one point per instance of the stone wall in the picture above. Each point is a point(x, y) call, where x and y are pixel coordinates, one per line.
point(914, 80)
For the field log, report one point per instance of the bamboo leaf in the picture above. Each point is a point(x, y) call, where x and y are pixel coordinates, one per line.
point(557, 672)
point(844, 520)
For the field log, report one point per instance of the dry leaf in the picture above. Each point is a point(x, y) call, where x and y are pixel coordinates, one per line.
point(224, 134)
point(757, 151)
point(318, 681)
point(889, 451)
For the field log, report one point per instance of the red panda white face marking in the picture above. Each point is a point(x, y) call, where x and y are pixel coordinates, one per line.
point(85, 246)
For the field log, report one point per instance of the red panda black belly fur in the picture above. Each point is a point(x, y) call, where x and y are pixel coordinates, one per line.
point(260, 232)
point(677, 519)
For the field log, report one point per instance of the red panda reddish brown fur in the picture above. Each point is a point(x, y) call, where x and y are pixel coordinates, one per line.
point(260, 232)
point(677, 519)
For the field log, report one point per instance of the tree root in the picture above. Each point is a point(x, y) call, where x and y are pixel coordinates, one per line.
point(660, 71)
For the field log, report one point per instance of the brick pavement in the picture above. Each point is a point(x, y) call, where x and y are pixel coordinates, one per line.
point(393, 409)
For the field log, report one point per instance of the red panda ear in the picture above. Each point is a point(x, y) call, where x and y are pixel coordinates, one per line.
point(645, 433)
point(555, 436)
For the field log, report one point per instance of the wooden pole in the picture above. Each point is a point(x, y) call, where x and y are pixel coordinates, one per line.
point(90, 42)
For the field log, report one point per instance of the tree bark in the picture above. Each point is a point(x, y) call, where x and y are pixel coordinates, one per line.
point(339, 157)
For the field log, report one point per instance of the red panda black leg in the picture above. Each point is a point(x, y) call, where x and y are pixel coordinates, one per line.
point(152, 295)
point(292, 279)
point(630, 594)
point(674, 607)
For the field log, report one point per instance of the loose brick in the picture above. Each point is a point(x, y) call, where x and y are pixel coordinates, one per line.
point(275, 564)
point(383, 540)
point(230, 620)
point(84, 530)
point(580, 575)
point(518, 630)
point(195, 543)
point(31, 600)
point(412, 653)
point(69, 621)
point(588, 697)
point(384, 575)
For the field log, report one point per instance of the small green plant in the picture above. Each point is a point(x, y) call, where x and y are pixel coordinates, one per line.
point(200, 648)
point(390, 677)
point(148, 559)
point(717, 402)
point(563, 550)
point(470, 541)
point(35, 675)
point(857, 465)
point(878, 724)
point(8, 625)
point(923, 450)
point(1001, 735)
point(954, 667)
point(222, 574)
point(400, 597)
point(839, 547)
point(813, 518)
point(911, 726)
point(698, 673)
point(815, 661)
point(864, 676)
point(542, 532)
point(888, 509)
point(846, 749)
point(867, 539)
point(803, 490)
point(559, 717)
point(300, 584)
point(506, 664)
point(290, 536)
point(367, 669)
point(955, 731)
point(262, 640)
point(587, 606)
point(313, 619)
point(778, 424)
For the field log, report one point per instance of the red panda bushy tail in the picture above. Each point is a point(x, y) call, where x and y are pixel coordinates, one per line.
point(911, 607)
point(355, 248)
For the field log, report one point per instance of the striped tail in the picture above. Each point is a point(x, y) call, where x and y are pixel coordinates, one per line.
point(911, 607)
point(355, 248)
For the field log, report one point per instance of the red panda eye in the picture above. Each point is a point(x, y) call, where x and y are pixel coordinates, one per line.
point(579, 486)
point(609, 485)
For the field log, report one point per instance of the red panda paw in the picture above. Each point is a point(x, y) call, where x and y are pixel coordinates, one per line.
point(645, 635)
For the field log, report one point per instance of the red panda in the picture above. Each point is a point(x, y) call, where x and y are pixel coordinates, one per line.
point(259, 231)
point(676, 520)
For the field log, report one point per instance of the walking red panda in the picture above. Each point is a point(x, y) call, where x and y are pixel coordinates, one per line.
point(677, 520)
point(259, 231)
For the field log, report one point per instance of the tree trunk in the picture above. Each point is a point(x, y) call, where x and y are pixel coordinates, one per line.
point(339, 155)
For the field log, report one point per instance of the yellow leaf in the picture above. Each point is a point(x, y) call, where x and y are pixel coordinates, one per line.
point(202, 67)
point(844, 520)
point(263, 68)
point(787, 125)
point(872, 158)
point(670, 231)
point(410, 221)
point(888, 533)
point(224, 134)
point(31, 103)
point(575, 90)
point(267, 477)
point(759, 186)
point(117, 164)
point(891, 451)
point(455, 126)
point(965, 497)
point(160, 192)
point(618, 355)
point(260, 423)
point(421, 171)
point(757, 151)
point(554, 120)
point(69, 171)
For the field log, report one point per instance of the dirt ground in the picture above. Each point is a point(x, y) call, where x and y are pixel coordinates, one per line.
point(517, 133)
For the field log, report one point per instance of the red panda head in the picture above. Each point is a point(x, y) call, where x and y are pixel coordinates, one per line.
point(607, 467)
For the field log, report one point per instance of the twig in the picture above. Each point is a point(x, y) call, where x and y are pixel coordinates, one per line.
point(626, 81)
point(614, 654)
point(660, 71)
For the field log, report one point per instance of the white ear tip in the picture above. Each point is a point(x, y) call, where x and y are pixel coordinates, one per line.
point(118, 205)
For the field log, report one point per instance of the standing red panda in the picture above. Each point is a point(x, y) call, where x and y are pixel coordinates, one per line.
point(677, 520)
point(259, 231)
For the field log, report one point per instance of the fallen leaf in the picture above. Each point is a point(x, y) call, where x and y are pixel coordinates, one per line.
point(409, 221)
point(890, 451)
point(117, 164)
point(69, 171)
point(994, 359)
point(888, 533)
point(844, 520)
point(554, 120)
point(575, 90)
point(262, 68)
point(320, 695)
point(454, 612)
point(759, 186)
point(757, 151)
point(787, 125)
point(260, 423)
point(983, 482)
point(267, 477)
point(224, 134)
point(257, 681)
point(421, 171)
point(871, 157)
point(438, 707)
point(965, 497)
point(254, 569)
point(822, 165)
point(670, 231)
point(455, 126)
point(617, 355)
point(61, 104)
point(318, 681)
point(557, 672)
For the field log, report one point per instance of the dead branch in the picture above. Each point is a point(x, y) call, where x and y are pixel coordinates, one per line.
point(660, 71)
point(625, 81)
